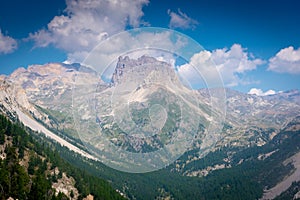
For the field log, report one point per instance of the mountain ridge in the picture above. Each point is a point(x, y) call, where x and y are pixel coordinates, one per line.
point(44, 93)
point(51, 84)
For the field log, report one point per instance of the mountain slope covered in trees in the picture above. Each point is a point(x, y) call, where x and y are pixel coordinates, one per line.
point(27, 164)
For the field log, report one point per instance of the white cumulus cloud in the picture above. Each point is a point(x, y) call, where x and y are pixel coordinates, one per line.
point(7, 44)
point(85, 23)
point(181, 20)
point(260, 92)
point(231, 65)
point(287, 60)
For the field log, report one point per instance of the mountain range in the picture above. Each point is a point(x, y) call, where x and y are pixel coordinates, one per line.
point(59, 96)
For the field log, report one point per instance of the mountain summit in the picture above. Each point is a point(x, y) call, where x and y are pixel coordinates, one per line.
point(132, 69)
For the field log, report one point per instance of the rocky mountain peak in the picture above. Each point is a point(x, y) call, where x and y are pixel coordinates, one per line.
point(128, 69)
point(18, 71)
point(2, 78)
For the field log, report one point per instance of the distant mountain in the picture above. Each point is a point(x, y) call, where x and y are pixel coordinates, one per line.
point(45, 93)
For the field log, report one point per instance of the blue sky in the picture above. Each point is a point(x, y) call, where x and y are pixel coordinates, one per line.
point(255, 43)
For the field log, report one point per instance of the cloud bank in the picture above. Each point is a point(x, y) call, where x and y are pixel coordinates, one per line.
point(181, 20)
point(260, 92)
point(7, 44)
point(231, 63)
point(287, 60)
point(85, 23)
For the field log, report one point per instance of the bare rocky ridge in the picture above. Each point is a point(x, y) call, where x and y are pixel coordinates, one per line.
point(129, 70)
point(19, 102)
